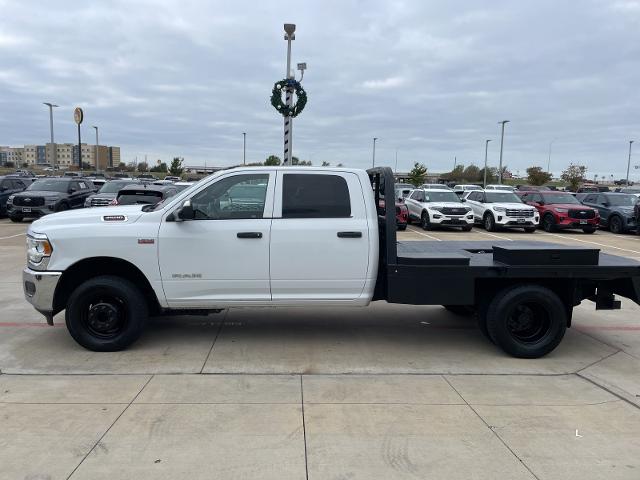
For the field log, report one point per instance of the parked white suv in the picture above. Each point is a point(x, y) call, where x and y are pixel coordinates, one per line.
point(504, 188)
point(461, 190)
point(438, 208)
point(496, 209)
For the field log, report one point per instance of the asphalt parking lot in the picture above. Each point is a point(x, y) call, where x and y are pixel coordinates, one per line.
point(385, 392)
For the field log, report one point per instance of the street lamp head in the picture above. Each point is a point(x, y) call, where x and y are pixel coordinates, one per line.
point(302, 66)
point(289, 29)
point(52, 105)
point(503, 122)
point(94, 127)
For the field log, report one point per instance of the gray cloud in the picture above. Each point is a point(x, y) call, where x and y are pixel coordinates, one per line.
point(431, 79)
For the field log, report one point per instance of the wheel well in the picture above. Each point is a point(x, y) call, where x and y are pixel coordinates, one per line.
point(89, 268)
point(570, 291)
point(488, 212)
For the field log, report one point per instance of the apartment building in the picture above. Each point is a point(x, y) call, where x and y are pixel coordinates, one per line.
point(11, 154)
point(63, 154)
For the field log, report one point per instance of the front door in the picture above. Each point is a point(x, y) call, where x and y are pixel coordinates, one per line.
point(222, 256)
point(319, 237)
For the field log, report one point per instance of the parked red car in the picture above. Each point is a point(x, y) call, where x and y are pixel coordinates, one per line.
point(560, 210)
point(402, 213)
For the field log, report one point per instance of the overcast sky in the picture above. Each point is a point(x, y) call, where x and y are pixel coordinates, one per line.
point(429, 78)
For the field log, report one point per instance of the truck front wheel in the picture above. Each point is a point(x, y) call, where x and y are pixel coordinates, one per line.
point(106, 314)
point(526, 321)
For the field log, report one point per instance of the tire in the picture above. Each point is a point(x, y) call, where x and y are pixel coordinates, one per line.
point(467, 228)
point(106, 314)
point(462, 310)
point(15, 218)
point(62, 207)
point(589, 230)
point(526, 321)
point(402, 227)
point(549, 223)
point(424, 221)
point(530, 229)
point(615, 224)
point(489, 222)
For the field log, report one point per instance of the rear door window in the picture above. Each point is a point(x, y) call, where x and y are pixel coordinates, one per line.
point(315, 196)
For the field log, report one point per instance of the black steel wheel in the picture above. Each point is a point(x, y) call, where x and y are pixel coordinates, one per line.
point(106, 314)
point(615, 224)
point(527, 321)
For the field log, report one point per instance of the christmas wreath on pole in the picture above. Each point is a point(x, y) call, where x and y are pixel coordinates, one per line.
point(283, 108)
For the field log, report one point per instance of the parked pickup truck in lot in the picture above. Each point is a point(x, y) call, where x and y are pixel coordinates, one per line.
point(300, 236)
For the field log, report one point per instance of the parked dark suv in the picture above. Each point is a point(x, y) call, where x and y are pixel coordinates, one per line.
point(144, 194)
point(49, 195)
point(8, 187)
point(616, 210)
point(107, 193)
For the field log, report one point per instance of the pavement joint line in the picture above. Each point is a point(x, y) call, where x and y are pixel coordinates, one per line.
point(587, 334)
point(492, 430)
point(110, 427)
point(12, 236)
point(304, 430)
point(425, 235)
point(602, 359)
point(226, 313)
point(608, 390)
point(592, 243)
point(290, 374)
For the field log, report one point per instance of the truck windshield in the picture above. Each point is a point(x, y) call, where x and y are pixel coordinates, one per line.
point(560, 198)
point(431, 196)
point(502, 197)
point(52, 185)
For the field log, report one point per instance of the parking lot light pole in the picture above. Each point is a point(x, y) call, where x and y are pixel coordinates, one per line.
point(486, 149)
point(244, 148)
point(629, 160)
point(97, 151)
point(55, 150)
point(549, 158)
point(501, 145)
point(375, 139)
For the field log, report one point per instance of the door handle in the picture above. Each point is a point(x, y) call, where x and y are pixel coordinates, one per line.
point(349, 234)
point(249, 234)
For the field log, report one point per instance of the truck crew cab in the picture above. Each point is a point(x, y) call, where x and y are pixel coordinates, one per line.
point(288, 236)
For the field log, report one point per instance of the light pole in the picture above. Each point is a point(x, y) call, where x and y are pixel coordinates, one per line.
point(375, 139)
point(486, 149)
point(55, 150)
point(97, 151)
point(501, 145)
point(629, 161)
point(549, 158)
point(244, 148)
point(289, 29)
point(396, 169)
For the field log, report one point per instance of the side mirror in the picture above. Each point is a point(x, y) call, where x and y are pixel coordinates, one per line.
point(541, 203)
point(605, 204)
point(72, 190)
point(463, 199)
point(186, 212)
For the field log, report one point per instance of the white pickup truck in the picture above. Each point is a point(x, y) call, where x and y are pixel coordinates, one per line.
point(299, 236)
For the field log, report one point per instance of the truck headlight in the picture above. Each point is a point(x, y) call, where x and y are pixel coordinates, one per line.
point(38, 251)
point(499, 209)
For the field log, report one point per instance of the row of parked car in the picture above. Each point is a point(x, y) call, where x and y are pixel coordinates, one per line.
point(23, 197)
point(497, 207)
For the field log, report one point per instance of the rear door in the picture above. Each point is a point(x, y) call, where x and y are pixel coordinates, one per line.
point(319, 237)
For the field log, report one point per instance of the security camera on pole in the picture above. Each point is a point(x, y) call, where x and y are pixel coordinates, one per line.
point(290, 86)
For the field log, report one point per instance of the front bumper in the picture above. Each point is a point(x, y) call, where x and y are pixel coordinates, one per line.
point(516, 222)
point(37, 212)
point(452, 220)
point(39, 290)
point(567, 222)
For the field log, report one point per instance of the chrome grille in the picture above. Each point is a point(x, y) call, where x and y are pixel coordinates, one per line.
point(519, 213)
point(454, 211)
point(100, 202)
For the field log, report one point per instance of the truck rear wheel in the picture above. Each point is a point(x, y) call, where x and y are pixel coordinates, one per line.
point(106, 314)
point(526, 321)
